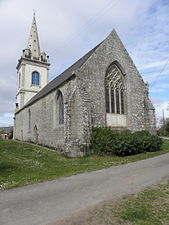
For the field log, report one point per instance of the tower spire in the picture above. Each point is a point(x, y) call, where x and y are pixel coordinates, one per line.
point(32, 69)
point(33, 42)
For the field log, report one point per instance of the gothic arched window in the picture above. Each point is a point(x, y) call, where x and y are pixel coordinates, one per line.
point(60, 104)
point(114, 90)
point(35, 78)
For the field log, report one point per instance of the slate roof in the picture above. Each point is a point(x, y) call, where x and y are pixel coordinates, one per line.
point(66, 75)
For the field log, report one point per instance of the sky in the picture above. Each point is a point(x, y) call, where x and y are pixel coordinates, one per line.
point(68, 29)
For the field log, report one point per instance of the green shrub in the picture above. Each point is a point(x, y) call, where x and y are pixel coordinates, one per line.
point(127, 145)
point(156, 144)
point(105, 141)
point(141, 133)
point(102, 140)
point(147, 141)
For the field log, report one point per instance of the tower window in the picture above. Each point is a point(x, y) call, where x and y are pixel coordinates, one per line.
point(35, 78)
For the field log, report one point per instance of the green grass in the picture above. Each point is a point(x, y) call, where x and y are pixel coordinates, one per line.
point(149, 207)
point(23, 163)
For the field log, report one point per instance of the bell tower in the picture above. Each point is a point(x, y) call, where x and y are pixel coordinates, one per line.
point(32, 69)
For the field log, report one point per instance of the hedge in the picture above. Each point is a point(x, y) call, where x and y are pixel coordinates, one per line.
point(105, 141)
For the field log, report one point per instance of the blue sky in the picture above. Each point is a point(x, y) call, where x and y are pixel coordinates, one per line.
point(68, 29)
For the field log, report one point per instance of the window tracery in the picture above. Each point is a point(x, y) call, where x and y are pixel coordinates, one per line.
point(114, 90)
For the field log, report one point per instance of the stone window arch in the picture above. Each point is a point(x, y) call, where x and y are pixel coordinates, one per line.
point(60, 106)
point(115, 90)
point(35, 78)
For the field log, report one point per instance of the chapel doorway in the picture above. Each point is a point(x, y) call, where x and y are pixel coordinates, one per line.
point(36, 134)
point(22, 135)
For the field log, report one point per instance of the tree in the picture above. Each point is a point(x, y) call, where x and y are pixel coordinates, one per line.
point(11, 134)
point(164, 127)
point(167, 127)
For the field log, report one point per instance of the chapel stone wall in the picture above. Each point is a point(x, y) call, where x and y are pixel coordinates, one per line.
point(84, 103)
point(92, 75)
point(43, 115)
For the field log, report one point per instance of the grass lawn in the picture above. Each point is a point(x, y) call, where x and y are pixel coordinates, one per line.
point(23, 163)
point(149, 207)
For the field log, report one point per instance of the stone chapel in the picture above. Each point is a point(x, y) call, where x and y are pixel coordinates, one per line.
point(103, 88)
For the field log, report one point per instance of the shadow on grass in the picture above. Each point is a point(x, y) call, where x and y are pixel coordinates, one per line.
point(6, 166)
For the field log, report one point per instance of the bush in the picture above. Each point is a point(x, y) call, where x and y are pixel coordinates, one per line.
point(127, 145)
point(147, 141)
point(102, 140)
point(105, 141)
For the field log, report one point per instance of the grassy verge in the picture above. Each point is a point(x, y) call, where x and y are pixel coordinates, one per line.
point(149, 207)
point(22, 163)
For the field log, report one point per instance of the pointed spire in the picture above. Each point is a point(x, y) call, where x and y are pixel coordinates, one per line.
point(33, 42)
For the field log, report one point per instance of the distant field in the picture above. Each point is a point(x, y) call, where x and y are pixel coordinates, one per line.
point(23, 163)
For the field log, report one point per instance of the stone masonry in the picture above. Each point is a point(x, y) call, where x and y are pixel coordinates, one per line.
point(83, 89)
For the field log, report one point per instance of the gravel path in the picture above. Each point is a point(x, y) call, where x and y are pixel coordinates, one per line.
point(45, 203)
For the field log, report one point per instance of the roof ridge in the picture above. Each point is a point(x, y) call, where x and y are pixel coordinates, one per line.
point(60, 79)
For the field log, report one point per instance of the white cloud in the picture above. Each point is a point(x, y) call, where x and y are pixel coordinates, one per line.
point(156, 101)
point(156, 90)
point(6, 119)
point(68, 29)
point(164, 85)
point(157, 76)
point(154, 64)
point(152, 36)
point(161, 106)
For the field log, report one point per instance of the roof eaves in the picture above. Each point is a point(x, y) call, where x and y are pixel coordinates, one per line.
point(68, 74)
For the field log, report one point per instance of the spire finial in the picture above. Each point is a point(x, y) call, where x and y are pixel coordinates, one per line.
point(34, 12)
point(33, 42)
